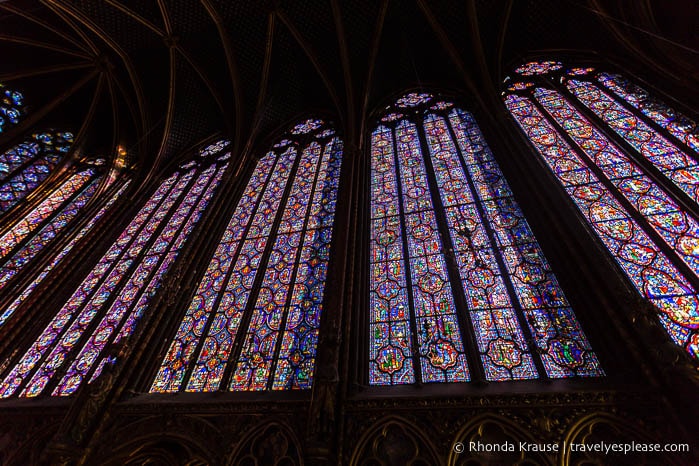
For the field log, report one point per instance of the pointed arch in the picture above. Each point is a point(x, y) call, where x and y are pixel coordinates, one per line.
point(630, 164)
point(394, 440)
point(459, 287)
point(106, 307)
point(42, 230)
point(268, 443)
point(253, 322)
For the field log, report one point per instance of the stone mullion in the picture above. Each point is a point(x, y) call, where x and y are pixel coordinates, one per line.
point(66, 277)
point(137, 363)
point(333, 356)
point(663, 181)
point(57, 211)
point(195, 256)
point(555, 227)
point(125, 278)
point(243, 328)
point(462, 311)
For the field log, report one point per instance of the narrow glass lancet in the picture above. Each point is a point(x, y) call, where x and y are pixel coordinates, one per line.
point(109, 302)
point(264, 286)
point(59, 256)
point(672, 162)
point(673, 121)
point(27, 237)
point(443, 214)
point(628, 162)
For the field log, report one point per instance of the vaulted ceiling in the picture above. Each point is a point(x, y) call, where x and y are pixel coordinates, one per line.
point(158, 76)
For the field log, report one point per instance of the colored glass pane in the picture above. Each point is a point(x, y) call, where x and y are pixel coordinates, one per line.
point(413, 100)
point(214, 148)
point(580, 71)
point(646, 265)
point(325, 133)
point(298, 344)
point(54, 214)
point(34, 219)
point(519, 86)
point(278, 236)
point(667, 117)
point(113, 296)
point(399, 259)
point(11, 107)
point(439, 341)
point(235, 298)
point(21, 297)
point(181, 352)
point(538, 67)
point(442, 106)
point(307, 126)
point(390, 351)
point(669, 159)
point(122, 316)
point(17, 156)
point(26, 165)
point(254, 366)
point(563, 347)
point(456, 193)
point(674, 225)
point(392, 117)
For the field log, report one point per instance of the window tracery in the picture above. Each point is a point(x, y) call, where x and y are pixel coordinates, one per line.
point(107, 305)
point(458, 283)
point(253, 322)
point(629, 163)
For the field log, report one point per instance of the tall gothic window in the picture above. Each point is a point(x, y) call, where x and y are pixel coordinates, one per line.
point(629, 163)
point(459, 287)
point(107, 305)
point(26, 165)
point(11, 108)
point(23, 240)
point(253, 322)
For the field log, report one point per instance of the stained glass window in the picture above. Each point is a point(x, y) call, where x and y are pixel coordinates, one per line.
point(629, 163)
point(458, 284)
point(253, 321)
point(22, 240)
point(26, 165)
point(21, 294)
point(109, 302)
point(11, 108)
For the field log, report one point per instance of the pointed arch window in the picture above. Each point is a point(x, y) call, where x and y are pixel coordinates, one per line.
point(107, 305)
point(629, 163)
point(253, 321)
point(26, 165)
point(459, 287)
point(22, 241)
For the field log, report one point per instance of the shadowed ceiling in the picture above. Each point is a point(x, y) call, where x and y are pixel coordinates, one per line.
point(159, 76)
